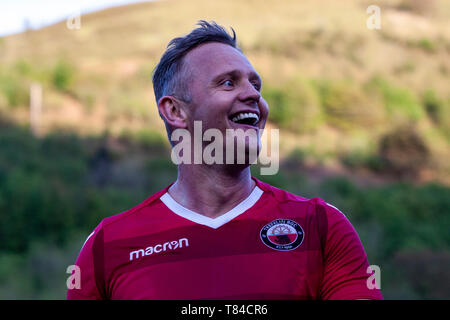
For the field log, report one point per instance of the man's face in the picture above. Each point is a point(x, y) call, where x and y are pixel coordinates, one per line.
point(225, 90)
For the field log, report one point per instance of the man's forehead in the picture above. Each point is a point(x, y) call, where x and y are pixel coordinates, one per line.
point(215, 57)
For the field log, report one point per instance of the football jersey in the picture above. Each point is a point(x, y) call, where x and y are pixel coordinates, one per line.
point(273, 245)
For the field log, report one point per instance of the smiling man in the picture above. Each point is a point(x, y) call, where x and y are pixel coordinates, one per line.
point(217, 232)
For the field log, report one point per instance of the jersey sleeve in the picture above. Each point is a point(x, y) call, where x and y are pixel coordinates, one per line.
point(90, 266)
point(345, 274)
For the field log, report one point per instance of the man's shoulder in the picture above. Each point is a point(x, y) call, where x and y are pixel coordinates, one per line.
point(127, 220)
point(281, 195)
point(285, 197)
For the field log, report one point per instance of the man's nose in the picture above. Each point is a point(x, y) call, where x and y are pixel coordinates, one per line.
point(249, 93)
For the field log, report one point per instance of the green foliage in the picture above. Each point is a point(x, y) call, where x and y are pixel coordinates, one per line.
point(294, 106)
point(408, 217)
point(63, 75)
point(433, 105)
point(160, 172)
point(37, 188)
point(427, 45)
point(49, 198)
point(357, 159)
point(297, 157)
point(23, 67)
point(412, 218)
point(347, 106)
point(48, 194)
point(146, 138)
point(40, 272)
point(279, 112)
point(13, 89)
point(277, 180)
point(401, 105)
point(437, 109)
point(130, 105)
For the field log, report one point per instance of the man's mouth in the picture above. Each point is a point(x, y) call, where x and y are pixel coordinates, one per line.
point(247, 118)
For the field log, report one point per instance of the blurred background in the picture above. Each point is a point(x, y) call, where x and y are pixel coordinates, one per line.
point(363, 113)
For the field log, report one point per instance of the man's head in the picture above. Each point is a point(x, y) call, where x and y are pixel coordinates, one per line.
point(204, 76)
point(170, 77)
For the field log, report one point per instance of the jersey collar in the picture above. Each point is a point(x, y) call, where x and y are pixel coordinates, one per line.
point(214, 223)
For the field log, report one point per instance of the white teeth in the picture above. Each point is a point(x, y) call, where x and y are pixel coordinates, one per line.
point(241, 116)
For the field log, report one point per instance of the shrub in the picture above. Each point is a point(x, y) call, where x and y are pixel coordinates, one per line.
point(159, 173)
point(347, 106)
point(294, 106)
point(279, 113)
point(145, 139)
point(401, 105)
point(417, 6)
point(436, 108)
point(296, 158)
point(359, 159)
point(403, 152)
point(63, 75)
point(151, 139)
point(23, 68)
point(14, 90)
point(427, 45)
point(40, 190)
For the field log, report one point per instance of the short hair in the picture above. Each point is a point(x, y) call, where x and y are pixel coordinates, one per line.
point(169, 76)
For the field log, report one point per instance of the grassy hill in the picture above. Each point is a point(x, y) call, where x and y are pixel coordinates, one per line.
point(364, 119)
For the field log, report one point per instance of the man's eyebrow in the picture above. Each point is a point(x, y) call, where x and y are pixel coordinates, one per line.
point(234, 74)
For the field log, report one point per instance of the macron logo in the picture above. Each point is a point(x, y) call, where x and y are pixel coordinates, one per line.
point(171, 245)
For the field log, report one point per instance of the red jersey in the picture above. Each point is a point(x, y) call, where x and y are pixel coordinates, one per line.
point(273, 245)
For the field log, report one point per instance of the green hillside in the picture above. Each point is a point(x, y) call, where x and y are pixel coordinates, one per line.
point(364, 119)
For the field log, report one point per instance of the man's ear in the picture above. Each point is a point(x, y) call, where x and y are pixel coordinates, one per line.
point(173, 112)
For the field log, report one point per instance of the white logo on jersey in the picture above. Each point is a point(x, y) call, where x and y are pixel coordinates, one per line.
point(172, 245)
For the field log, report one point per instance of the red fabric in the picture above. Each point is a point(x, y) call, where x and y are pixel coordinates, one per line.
point(149, 252)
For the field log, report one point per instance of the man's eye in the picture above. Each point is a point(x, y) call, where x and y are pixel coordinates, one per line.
point(227, 83)
point(257, 86)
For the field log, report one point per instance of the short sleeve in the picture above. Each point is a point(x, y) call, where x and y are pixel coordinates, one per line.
point(90, 266)
point(345, 261)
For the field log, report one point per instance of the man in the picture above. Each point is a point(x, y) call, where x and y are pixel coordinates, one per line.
point(216, 232)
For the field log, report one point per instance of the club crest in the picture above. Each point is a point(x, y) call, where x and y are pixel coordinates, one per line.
point(282, 235)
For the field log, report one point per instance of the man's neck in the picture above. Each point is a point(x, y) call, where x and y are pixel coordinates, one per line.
point(210, 191)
